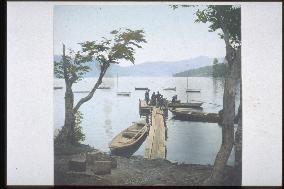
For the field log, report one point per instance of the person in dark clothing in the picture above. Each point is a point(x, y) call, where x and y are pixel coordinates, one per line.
point(147, 96)
point(174, 98)
point(158, 99)
point(153, 99)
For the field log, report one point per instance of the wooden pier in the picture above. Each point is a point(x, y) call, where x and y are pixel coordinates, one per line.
point(156, 143)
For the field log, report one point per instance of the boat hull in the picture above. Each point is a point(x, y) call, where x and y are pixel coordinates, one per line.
point(141, 88)
point(196, 116)
point(170, 89)
point(128, 149)
point(185, 105)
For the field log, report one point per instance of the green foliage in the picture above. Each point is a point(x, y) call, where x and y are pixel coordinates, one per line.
point(120, 46)
point(215, 61)
point(75, 65)
point(224, 17)
point(218, 69)
point(79, 135)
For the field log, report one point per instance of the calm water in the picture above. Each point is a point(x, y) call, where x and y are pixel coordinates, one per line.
point(107, 114)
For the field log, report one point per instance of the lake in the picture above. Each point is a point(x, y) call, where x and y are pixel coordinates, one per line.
point(107, 114)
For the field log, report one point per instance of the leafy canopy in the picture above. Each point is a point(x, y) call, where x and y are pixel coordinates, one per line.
point(74, 64)
point(120, 45)
point(224, 17)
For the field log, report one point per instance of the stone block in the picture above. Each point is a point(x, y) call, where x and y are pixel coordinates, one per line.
point(77, 164)
point(91, 157)
point(101, 167)
point(113, 162)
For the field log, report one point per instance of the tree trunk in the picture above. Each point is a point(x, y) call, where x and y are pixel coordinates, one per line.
point(69, 122)
point(216, 177)
point(67, 133)
point(238, 145)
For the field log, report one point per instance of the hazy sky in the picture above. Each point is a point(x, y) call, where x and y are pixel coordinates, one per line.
point(171, 34)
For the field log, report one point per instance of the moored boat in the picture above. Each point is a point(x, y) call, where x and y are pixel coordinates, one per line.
point(81, 91)
point(192, 115)
point(104, 87)
point(185, 104)
point(129, 138)
point(193, 90)
point(123, 93)
point(141, 88)
point(170, 89)
point(57, 88)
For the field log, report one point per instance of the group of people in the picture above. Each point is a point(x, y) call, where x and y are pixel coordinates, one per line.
point(157, 99)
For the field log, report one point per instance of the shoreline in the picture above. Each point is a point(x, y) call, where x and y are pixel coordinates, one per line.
point(135, 170)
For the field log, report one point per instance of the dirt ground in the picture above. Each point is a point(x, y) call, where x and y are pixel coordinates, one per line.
point(137, 170)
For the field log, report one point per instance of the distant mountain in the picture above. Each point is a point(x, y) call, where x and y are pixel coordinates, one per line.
point(153, 69)
point(206, 71)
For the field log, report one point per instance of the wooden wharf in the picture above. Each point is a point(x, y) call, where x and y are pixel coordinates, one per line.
point(156, 142)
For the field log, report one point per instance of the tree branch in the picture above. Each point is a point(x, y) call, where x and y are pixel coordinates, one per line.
point(90, 95)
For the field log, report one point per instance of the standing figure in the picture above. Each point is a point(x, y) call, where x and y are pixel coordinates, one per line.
point(147, 96)
point(153, 99)
point(158, 96)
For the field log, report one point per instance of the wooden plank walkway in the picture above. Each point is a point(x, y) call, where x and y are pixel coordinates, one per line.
point(156, 144)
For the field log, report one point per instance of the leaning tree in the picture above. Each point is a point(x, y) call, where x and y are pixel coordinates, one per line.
point(226, 19)
point(121, 45)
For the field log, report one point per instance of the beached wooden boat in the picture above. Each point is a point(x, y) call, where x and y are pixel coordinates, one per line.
point(170, 89)
point(193, 90)
point(141, 88)
point(192, 115)
point(81, 91)
point(123, 93)
point(104, 87)
point(185, 105)
point(129, 137)
point(57, 88)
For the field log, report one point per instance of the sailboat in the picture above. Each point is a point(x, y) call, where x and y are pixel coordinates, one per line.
point(121, 93)
point(178, 104)
point(191, 90)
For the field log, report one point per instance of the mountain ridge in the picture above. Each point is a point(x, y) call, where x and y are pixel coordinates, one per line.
point(153, 68)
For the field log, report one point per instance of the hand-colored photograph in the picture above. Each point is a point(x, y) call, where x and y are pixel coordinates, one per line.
point(147, 95)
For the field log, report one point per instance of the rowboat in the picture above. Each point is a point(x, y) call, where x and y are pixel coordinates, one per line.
point(57, 88)
point(129, 138)
point(123, 93)
point(185, 104)
point(81, 91)
point(104, 87)
point(193, 90)
point(170, 89)
point(192, 115)
point(141, 88)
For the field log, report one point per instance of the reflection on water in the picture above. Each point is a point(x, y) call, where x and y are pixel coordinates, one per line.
point(107, 114)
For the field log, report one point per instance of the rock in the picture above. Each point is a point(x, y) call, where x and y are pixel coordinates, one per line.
point(113, 162)
point(77, 164)
point(101, 167)
point(91, 157)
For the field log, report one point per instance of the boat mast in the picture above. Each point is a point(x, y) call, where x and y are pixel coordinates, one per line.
point(187, 88)
point(187, 82)
point(117, 80)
